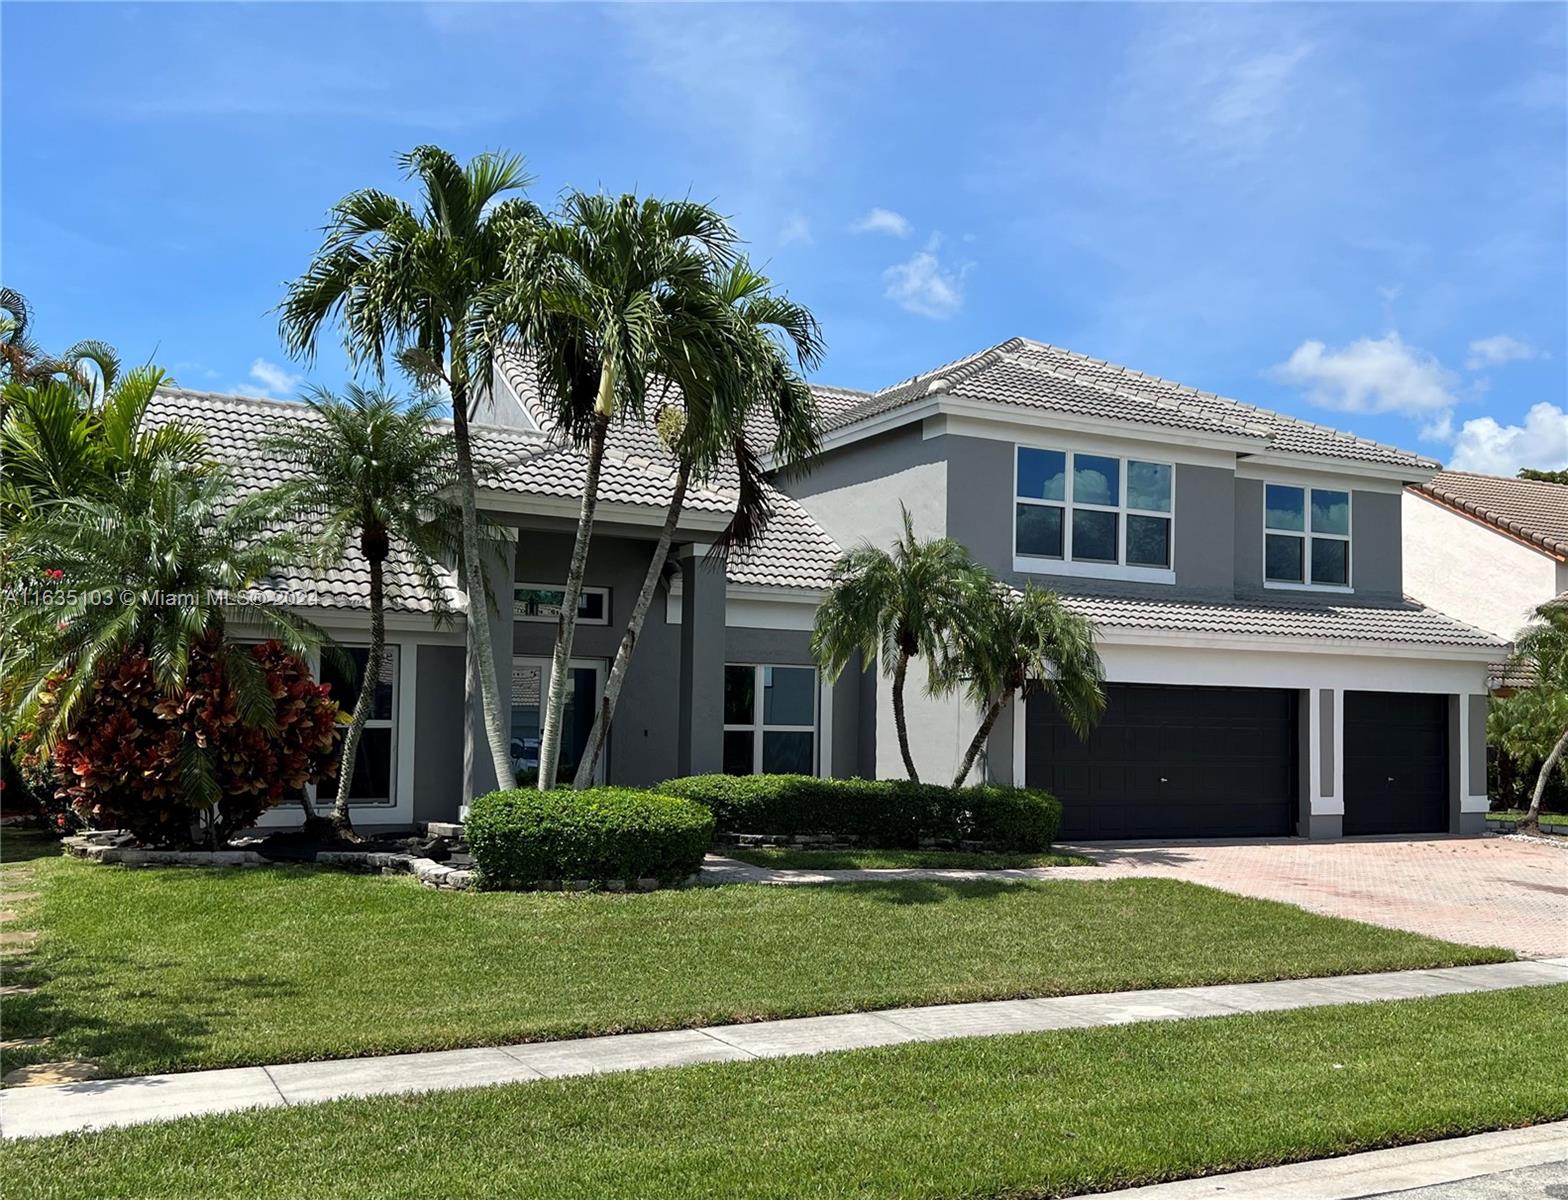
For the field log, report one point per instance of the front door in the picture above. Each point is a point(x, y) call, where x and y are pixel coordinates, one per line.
point(530, 687)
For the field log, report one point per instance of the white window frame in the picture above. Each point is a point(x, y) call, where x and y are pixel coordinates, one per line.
point(1094, 568)
point(395, 651)
point(758, 727)
point(1306, 534)
point(541, 618)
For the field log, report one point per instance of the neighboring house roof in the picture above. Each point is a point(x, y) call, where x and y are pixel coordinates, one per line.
point(1029, 374)
point(1531, 511)
point(1403, 624)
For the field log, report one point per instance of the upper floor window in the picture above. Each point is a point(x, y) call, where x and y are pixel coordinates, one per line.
point(1093, 509)
point(1306, 537)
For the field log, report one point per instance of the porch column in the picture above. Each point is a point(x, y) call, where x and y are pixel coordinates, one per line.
point(1323, 797)
point(701, 720)
point(500, 568)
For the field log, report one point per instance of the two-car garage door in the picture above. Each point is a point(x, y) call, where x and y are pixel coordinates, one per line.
point(1194, 762)
point(1171, 762)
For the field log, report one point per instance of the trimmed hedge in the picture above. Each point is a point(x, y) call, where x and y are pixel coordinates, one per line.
point(524, 837)
point(891, 813)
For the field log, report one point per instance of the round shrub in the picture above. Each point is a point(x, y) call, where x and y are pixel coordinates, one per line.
point(525, 837)
point(1019, 819)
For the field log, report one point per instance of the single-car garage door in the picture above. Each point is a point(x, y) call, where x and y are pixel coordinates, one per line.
point(1170, 762)
point(1396, 763)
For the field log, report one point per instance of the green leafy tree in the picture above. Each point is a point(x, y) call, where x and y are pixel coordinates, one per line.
point(1544, 476)
point(1009, 641)
point(157, 564)
point(897, 605)
point(612, 297)
point(1533, 723)
point(421, 285)
point(764, 342)
point(374, 471)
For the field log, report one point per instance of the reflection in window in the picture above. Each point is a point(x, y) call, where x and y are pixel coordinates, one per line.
point(1306, 536)
point(777, 736)
point(1092, 508)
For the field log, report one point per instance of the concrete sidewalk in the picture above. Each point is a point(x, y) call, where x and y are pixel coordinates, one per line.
point(61, 1108)
point(1510, 1162)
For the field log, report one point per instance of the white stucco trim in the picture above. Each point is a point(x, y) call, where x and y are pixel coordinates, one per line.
point(1366, 476)
point(1475, 804)
point(755, 606)
point(606, 510)
point(1116, 438)
point(1267, 644)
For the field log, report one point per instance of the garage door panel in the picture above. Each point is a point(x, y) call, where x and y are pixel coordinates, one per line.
point(1396, 763)
point(1171, 762)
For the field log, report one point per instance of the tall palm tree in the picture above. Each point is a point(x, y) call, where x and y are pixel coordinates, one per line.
point(1010, 640)
point(421, 284)
point(766, 341)
point(897, 605)
point(373, 469)
point(611, 295)
point(1536, 717)
point(156, 562)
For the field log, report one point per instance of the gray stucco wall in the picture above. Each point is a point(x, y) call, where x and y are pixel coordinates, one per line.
point(854, 493)
point(1477, 736)
point(643, 744)
point(1326, 699)
point(438, 726)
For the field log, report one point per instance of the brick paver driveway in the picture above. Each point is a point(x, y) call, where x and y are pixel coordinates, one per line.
point(1485, 891)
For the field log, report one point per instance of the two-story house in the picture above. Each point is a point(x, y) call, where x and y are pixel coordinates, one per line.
point(1266, 675)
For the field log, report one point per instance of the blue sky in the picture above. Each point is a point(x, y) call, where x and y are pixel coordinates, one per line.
point(1353, 213)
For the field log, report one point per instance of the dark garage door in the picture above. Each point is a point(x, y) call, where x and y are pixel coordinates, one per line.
point(1396, 763)
point(1171, 762)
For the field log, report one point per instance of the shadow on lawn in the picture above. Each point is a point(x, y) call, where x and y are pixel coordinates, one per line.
point(927, 891)
point(108, 1034)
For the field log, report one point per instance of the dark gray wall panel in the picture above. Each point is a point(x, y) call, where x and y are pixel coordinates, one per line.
point(437, 732)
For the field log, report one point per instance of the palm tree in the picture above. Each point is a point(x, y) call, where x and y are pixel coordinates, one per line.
point(614, 293)
point(1010, 640)
point(1537, 716)
point(156, 562)
point(370, 468)
point(421, 284)
point(63, 437)
point(753, 376)
point(898, 605)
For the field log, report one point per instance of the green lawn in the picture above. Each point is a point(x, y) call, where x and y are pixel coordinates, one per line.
point(788, 858)
point(153, 970)
point(1029, 1115)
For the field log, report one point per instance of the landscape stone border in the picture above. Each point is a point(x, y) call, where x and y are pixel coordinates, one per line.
point(119, 849)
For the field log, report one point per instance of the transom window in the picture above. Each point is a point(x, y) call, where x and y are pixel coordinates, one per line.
point(1306, 537)
point(770, 720)
point(1093, 509)
point(537, 602)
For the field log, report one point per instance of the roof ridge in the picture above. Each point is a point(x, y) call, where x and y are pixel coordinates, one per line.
point(1129, 394)
point(1342, 434)
point(960, 368)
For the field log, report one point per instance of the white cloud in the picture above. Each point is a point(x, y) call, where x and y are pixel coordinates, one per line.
point(1249, 95)
point(1495, 351)
point(924, 285)
point(796, 229)
point(1373, 375)
point(1492, 449)
point(269, 381)
point(884, 220)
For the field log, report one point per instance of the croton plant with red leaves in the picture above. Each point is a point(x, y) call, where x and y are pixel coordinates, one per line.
point(119, 765)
